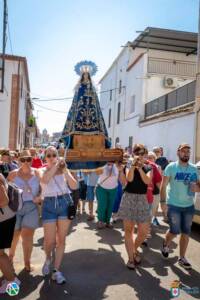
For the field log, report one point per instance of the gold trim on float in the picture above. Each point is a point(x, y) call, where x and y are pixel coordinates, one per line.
point(87, 170)
point(84, 133)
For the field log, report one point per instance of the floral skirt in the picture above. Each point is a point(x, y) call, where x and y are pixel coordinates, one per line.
point(134, 207)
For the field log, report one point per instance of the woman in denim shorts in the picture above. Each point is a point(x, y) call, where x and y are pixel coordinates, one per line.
point(55, 180)
point(27, 219)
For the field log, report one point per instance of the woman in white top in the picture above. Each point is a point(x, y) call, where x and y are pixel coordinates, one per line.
point(106, 191)
point(55, 180)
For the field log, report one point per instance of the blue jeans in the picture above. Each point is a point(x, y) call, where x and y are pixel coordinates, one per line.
point(55, 208)
point(90, 193)
point(180, 219)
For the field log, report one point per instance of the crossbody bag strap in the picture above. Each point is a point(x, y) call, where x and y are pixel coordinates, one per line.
point(57, 184)
point(100, 183)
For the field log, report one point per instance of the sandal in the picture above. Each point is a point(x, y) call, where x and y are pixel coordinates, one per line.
point(109, 225)
point(28, 268)
point(130, 265)
point(137, 258)
point(90, 218)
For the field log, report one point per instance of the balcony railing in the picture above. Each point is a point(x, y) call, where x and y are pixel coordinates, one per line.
point(180, 96)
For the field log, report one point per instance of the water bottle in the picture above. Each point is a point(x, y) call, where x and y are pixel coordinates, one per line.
point(192, 182)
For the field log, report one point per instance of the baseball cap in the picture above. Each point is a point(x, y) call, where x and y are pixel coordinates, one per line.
point(183, 145)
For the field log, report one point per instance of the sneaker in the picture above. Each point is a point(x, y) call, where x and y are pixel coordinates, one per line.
point(130, 265)
point(46, 268)
point(165, 251)
point(145, 243)
point(5, 283)
point(184, 263)
point(155, 222)
point(100, 225)
point(58, 277)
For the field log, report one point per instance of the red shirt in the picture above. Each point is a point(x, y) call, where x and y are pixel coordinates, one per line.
point(37, 163)
point(156, 178)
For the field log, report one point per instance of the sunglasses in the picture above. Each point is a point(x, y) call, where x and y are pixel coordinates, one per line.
point(28, 159)
point(51, 155)
point(141, 153)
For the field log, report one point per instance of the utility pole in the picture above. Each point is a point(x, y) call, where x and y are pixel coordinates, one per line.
point(197, 100)
point(5, 22)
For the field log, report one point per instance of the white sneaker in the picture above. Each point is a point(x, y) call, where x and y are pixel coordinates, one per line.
point(58, 277)
point(46, 268)
point(5, 283)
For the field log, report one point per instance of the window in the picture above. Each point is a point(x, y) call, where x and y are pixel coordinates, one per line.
point(132, 104)
point(118, 112)
point(110, 95)
point(21, 88)
point(109, 118)
point(130, 141)
point(116, 141)
point(120, 86)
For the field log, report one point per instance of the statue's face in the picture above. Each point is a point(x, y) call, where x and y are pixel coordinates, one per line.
point(85, 76)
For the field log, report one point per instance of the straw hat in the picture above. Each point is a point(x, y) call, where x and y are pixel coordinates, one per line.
point(25, 153)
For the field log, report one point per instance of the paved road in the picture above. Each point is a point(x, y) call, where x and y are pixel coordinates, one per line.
point(94, 266)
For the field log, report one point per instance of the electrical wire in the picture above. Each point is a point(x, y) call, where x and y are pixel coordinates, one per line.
point(50, 109)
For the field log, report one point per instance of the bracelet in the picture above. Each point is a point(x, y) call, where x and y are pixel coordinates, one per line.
point(162, 201)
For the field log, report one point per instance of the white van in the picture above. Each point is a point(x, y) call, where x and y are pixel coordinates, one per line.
point(196, 218)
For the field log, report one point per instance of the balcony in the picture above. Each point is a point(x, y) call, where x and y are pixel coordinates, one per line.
point(179, 97)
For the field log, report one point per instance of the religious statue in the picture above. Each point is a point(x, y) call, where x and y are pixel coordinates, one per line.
point(85, 131)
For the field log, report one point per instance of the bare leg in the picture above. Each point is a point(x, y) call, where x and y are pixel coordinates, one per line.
point(83, 206)
point(129, 242)
point(90, 204)
point(49, 238)
point(15, 241)
point(169, 237)
point(27, 244)
point(6, 266)
point(142, 231)
point(62, 230)
point(184, 240)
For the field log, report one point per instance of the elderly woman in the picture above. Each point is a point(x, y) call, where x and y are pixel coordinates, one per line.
point(134, 208)
point(27, 179)
point(56, 181)
point(106, 192)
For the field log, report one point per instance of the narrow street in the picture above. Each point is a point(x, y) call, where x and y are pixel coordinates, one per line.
point(95, 270)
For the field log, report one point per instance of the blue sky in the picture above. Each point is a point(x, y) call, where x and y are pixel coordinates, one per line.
point(56, 34)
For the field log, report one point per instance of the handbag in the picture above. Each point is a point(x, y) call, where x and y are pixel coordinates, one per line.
point(71, 210)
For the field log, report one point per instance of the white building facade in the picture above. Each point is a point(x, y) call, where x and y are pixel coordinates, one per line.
point(13, 103)
point(142, 100)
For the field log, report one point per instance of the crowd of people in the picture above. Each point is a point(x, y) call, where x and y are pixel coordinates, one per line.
point(130, 191)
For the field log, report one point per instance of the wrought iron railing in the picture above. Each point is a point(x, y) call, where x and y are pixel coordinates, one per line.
point(176, 98)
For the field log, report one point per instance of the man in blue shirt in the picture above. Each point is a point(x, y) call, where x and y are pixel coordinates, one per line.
point(180, 182)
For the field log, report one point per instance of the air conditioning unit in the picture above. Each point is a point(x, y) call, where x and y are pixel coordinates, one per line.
point(170, 82)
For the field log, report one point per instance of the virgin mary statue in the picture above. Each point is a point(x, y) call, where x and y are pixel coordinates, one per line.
point(85, 116)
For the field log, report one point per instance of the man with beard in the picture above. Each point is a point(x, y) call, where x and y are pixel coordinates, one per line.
point(180, 182)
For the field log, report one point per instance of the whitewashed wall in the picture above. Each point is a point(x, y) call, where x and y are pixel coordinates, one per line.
point(145, 87)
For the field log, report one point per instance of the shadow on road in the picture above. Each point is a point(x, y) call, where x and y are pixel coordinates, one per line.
point(90, 272)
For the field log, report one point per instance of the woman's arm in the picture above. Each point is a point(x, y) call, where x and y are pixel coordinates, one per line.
point(130, 174)
point(48, 174)
point(71, 181)
point(122, 176)
point(12, 175)
point(146, 178)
